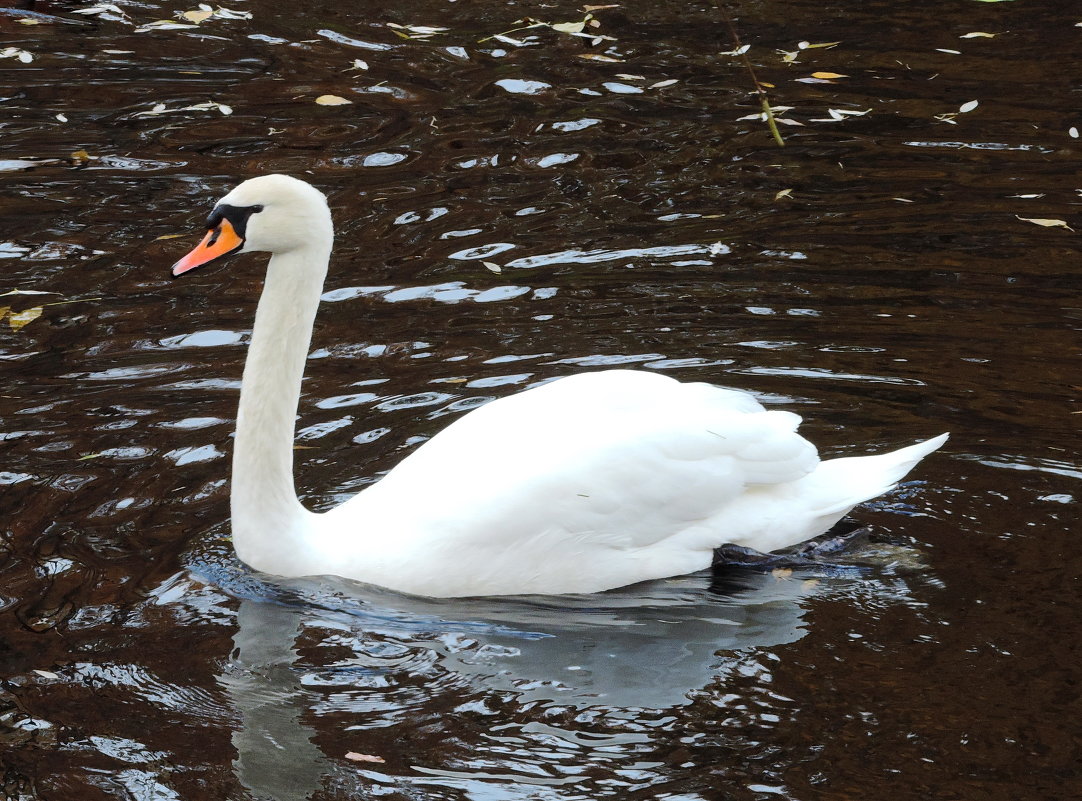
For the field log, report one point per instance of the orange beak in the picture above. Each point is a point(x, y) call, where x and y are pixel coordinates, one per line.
point(218, 242)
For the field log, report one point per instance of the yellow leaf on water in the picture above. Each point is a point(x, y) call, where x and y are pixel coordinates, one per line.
point(783, 193)
point(4, 311)
point(332, 100)
point(356, 757)
point(1046, 223)
point(168, 236)
point(568, 27)
point(826, 76)
point(18, 319)
point(197, 15)
point(80, 155)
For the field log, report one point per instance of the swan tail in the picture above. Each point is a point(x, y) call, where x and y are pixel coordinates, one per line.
point(855, 479)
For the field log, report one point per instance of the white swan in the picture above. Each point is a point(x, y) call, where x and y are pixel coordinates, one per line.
point(586, 483)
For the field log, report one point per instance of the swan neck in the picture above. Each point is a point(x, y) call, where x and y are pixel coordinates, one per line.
point(267, 517)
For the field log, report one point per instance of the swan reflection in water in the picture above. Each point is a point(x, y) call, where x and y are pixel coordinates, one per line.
point(651, 646)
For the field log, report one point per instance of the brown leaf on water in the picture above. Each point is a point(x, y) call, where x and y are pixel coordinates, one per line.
point(356, 757)
point(600, 57)
point(332, 100)
point(18, 319)
point(1046, 223)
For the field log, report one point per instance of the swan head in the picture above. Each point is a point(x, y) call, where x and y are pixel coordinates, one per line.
point(270, 213)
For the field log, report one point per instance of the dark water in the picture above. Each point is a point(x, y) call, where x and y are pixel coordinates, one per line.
point(893, 293)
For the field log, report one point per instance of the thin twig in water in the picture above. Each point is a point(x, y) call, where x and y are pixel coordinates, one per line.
point(764, 101)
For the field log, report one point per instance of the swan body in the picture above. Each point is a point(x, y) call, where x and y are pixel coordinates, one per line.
point(582, 484)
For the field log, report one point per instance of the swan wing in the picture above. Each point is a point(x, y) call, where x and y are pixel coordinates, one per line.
point(619, 458)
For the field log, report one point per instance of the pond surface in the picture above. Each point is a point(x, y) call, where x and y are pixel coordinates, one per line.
point(511, 209)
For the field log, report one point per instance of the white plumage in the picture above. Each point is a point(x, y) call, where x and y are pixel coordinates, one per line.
point(583, 484)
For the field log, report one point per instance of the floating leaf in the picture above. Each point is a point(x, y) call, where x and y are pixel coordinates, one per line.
point(569, 27)
point(1072, 132)
point(61, 117)
point(810, 46)
point(614, 5)
point(600, 57)
point(492, 266)
point(81, 156)
point(1046, 223)
point(967, 107)
point(358, 64)
point(416, 31)
point(101, 8)
point(332, 100)
point(839, 114)
point(783, 193)
point(18, 319)
point(826, 76)
point(356, 757)
point(903, 200)
point(949, 51)
point(168, 236)
point(663, 84)
point(46, 674)
point(164, 25)
point(197, 15)
point(737, 52)
point(977, 35)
